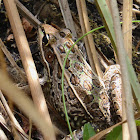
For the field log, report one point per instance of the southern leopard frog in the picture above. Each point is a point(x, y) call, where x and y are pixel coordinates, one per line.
point(88, 98)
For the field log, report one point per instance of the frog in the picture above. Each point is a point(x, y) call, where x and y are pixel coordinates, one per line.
point(88, 97)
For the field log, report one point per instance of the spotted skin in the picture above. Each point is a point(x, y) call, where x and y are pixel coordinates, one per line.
point(97, 95)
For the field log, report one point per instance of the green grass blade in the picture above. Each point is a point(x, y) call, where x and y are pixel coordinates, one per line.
point(107, 19)
point(63, 97)
point(133, 79)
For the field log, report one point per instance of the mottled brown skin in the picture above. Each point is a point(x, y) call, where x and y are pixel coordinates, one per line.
point(81, 80)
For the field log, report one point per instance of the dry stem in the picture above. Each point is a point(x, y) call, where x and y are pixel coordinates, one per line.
point(126, 88)
point(28, 64)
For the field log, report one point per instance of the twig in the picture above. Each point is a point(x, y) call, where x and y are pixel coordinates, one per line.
point(127, 36)
point(85, 38)
point(136, 11)
point(126, 91)
point(25, 104)
point(26, 13)
point(64, 6)
point(90, 47)
point(40, 36)
point(127, 24)
point(104, 132)
point(11, 116)
point(28, 64)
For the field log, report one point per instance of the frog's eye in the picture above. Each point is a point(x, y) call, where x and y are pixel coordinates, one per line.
point(62, 34)
point(65, 33)
point(46, 38)
point(49, 38)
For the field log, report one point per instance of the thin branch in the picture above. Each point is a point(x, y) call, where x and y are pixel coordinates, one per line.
point(28, 64)
point(127, 36)
point(25, 104)
point(99, 135)
point(65, 10)
point(127, 24)
point(11, 116)
point(90, 47)
point(26, 13)
point(126, 88)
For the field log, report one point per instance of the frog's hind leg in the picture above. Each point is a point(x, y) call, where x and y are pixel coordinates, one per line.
point(113, 87)
point(116, 95)
point(104, 105)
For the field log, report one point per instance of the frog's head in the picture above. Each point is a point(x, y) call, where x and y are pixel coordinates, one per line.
point(49, 33)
